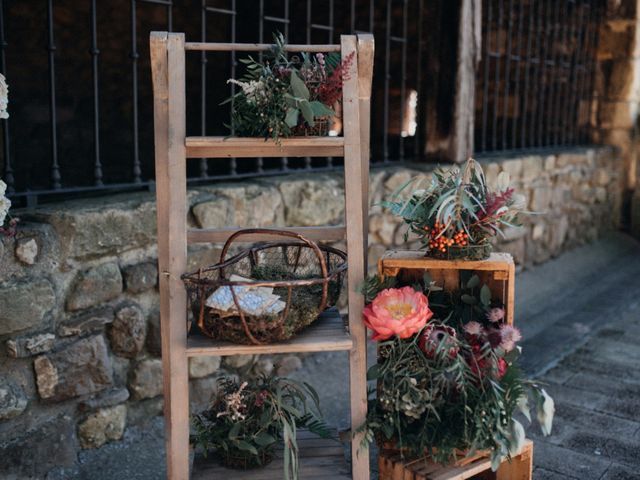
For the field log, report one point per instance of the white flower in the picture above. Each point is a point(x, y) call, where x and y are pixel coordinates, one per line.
point(4, 97)
point(5, 203)
point(474, 328)
point(546, 409)
point(254, 90)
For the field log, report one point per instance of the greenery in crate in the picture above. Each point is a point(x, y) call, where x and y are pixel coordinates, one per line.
point(246, 421)
point(282, 95)
point(447, 378)
point(456, 214)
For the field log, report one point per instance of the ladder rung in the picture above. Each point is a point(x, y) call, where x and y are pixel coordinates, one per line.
point(228, 147)
point(220, 235)
point(257, 47)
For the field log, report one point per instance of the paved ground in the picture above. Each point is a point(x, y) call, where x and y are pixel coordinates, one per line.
point(580, 315)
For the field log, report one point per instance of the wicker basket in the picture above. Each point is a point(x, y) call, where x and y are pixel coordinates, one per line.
point(320, 128)
point(242, 460)
point(305, 276)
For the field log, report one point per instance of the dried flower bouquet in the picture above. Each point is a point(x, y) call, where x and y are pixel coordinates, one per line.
point(456, 215)
point(447, 379)
point(247, 421)
point(283, 95)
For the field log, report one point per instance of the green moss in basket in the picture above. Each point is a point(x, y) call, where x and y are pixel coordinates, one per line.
point(247, 421)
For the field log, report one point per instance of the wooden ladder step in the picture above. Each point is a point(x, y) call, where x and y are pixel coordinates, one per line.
point(327, 333)
point(238, 147)
point(220, 235)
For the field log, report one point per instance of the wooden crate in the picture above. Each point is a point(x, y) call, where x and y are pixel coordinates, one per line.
point(498, 272)
point(392, 467)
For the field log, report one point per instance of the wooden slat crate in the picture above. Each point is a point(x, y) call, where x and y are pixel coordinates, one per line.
point(498, 272)
point(391, 466)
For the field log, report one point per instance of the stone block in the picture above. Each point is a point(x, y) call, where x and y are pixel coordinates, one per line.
point(27, 346)
point(317, 200)
point(107, 398)
point(491, 172)
point(517, 249)
point(146, 380)
point(79, 369)
point(237, 361)
point(540, 199)
point(105, 425)
point(532, 168)
point(601, 177)
point(288, 365)
point(27, 250)
point(240, 205)
point(24, 304)
point(120, 370)
point(264, 366)
point(513, 168)
point(103, 226)
point(383, 225)
point(128, 331)
point(33, 455)
point(92, 321)
point(141, 412)
point(203, 366)
point(140, 277)
point(550, 163)
point(13, 400)
point(398, 179)
point(95, 286)
point(201, 391)
point(154, 341)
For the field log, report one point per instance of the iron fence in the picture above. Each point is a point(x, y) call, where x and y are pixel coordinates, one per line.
point(84, 122)
point(536, 79)
point(80, 86)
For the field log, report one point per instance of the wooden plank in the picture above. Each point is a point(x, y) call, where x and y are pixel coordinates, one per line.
point(167, 61)
point(520, 467)
point(366, 50)
point(394, 467)
point(220, 235)
point(469, 41)
point(328, 333)
point(416, 259)
point(238, 147)
point(313, 465)
point(258, 47)
point(354, 181)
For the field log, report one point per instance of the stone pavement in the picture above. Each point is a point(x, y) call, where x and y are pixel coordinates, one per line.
point(580, 315)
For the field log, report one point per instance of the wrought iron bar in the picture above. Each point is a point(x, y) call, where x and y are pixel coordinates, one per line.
point(403, 79)
point(507, 73)
point(387, 78)
point(134, 55)
point(97, 168)
point(6, 151)
point(56, 179)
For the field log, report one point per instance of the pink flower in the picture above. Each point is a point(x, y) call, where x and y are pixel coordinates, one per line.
point(495, 314)
point(474, 328)
point(433, 335)
point(397, 311)
point(510, 336)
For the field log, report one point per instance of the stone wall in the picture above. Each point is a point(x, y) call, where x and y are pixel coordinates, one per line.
point(79, 325)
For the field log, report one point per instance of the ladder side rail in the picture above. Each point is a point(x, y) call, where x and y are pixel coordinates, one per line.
point(168, 72)
point(354, 182)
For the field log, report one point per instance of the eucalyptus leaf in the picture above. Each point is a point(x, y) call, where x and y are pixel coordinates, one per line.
point(307, 113)
point(469, 299)
point(292, 117)
point(473, 282)
point(374, 372)
point(485, 295)
point(247, 447)
point(264, 439)
point(298, 87)
point(320, 109)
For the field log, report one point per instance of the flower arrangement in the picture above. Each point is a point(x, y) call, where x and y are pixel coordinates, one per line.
point(282, 96)
point(452, 384)
point(246, 421)
point(7, 224)
point(457, 215)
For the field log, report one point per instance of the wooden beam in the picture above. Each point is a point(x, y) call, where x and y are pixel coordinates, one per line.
point(257, 47)
point(167, 64)
point(354, 185)
point(227, 147)
point(220, 235)
point(469, 50)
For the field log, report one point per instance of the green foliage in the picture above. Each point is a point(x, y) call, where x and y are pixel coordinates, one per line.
point(279, 93)
point(456, 214)
point(247, 421)
point(374, 284)
point(462, 397)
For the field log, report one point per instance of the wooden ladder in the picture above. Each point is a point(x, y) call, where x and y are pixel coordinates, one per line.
point(173, 148)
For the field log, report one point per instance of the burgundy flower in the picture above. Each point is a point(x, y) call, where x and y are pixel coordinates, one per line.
point(433, 335)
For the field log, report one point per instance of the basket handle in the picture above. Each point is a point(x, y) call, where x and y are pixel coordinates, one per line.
point(277, 233)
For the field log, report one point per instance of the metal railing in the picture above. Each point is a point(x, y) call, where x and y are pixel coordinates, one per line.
point(536, 78)
point(98, 132)
point(80, 87)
